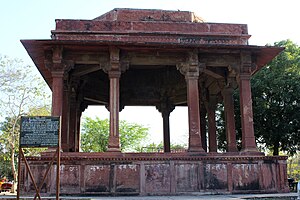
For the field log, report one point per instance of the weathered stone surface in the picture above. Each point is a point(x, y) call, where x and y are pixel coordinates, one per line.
point(96, 178)
point(215, 176)
point(124, 184)
point(187, 179)
point(121, 14)
point(245, 176)
point(112, 173)
point(130, 57)
point(268, 178)
point(69, 179)
point(158, 178)
point(38, 174)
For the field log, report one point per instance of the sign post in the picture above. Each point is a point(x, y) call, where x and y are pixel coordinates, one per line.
point(40, 132)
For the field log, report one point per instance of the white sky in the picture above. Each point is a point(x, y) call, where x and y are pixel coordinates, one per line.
point(268, 21)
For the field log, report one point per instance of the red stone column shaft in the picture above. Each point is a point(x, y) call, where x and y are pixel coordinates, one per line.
point(65, 122)
point(78, 138)
point(203, 127)
point(57, 93)
point(72, 122)
point(248, 138)
point(166, 129)
point(165, 108)
point(195, 143)
point(229, 119)
point(114, 140)
point(212, 129)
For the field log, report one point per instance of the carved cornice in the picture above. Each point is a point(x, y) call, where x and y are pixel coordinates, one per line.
point(221, 157)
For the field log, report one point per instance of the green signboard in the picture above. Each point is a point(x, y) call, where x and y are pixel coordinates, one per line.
point(39, 131)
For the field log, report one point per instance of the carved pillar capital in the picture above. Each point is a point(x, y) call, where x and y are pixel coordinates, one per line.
point(248, 66)
point(165, 107)
point(55, 63)
point(116, 63)
point(114, 74)
point(191, 68)
point(189, 71)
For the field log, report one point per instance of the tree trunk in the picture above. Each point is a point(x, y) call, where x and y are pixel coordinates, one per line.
point(12, 162)
point(276, 149)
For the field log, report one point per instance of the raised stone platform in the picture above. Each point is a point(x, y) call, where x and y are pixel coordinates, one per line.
point(158, 174)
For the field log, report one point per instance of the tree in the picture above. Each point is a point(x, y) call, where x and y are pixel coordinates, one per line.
point(276, 104)
point(95, 134)
point(160, 148)
point(21, 89)
point(293, 167)
point(276, 101)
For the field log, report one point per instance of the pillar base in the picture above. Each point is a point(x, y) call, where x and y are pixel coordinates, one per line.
point(233, 149)
point(196, 149)
point(251, 151)
point(113, 149)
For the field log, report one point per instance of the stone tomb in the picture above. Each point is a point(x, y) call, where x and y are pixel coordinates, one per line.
point(132, 57)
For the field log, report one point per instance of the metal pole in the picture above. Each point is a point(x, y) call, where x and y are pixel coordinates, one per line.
point(31, 175)
point(58, 162)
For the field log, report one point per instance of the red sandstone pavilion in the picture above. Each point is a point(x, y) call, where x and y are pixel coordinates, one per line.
point(132, 57)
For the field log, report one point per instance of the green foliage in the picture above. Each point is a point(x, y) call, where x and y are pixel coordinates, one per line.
point(276, 101)
point(95, 134)
point(5, 167)
point(276, 104)
point(160, 147)
point(293, 167)
point(21, 91)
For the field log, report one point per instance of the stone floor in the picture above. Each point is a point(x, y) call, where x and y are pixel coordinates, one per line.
point(287, 196)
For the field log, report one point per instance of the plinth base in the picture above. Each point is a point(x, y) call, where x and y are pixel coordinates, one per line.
point(114, 173)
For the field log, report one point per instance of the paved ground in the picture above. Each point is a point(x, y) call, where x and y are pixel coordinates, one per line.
point(290, 196)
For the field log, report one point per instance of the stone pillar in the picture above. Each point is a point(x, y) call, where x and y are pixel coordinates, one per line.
point(191, 71)
point(114, 74)
point(78, 138)
point(166, 127)
point(195, 142)
point(65, 120)
point(114, 140)
point(229, 119)
point(72, 121)
point(165, 108)
point(59, 68)
point(203, 126)
point(248, 138)
point(212, 129)
point(57, 92)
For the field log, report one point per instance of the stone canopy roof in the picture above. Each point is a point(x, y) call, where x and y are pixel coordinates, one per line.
point(129, 14)
point(148, 40)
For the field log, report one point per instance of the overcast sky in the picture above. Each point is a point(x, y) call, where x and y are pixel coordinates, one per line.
point(268, 21)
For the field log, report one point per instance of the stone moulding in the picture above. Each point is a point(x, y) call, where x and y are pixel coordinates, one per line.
point(159, 174)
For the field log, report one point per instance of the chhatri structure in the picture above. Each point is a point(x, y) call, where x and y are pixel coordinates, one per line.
point(132, 57)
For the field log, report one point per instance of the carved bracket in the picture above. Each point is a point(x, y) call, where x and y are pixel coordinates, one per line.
point(190, 68)
point(165, 106)
point(247, 64)
point(55, 63)
point(115, 63)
